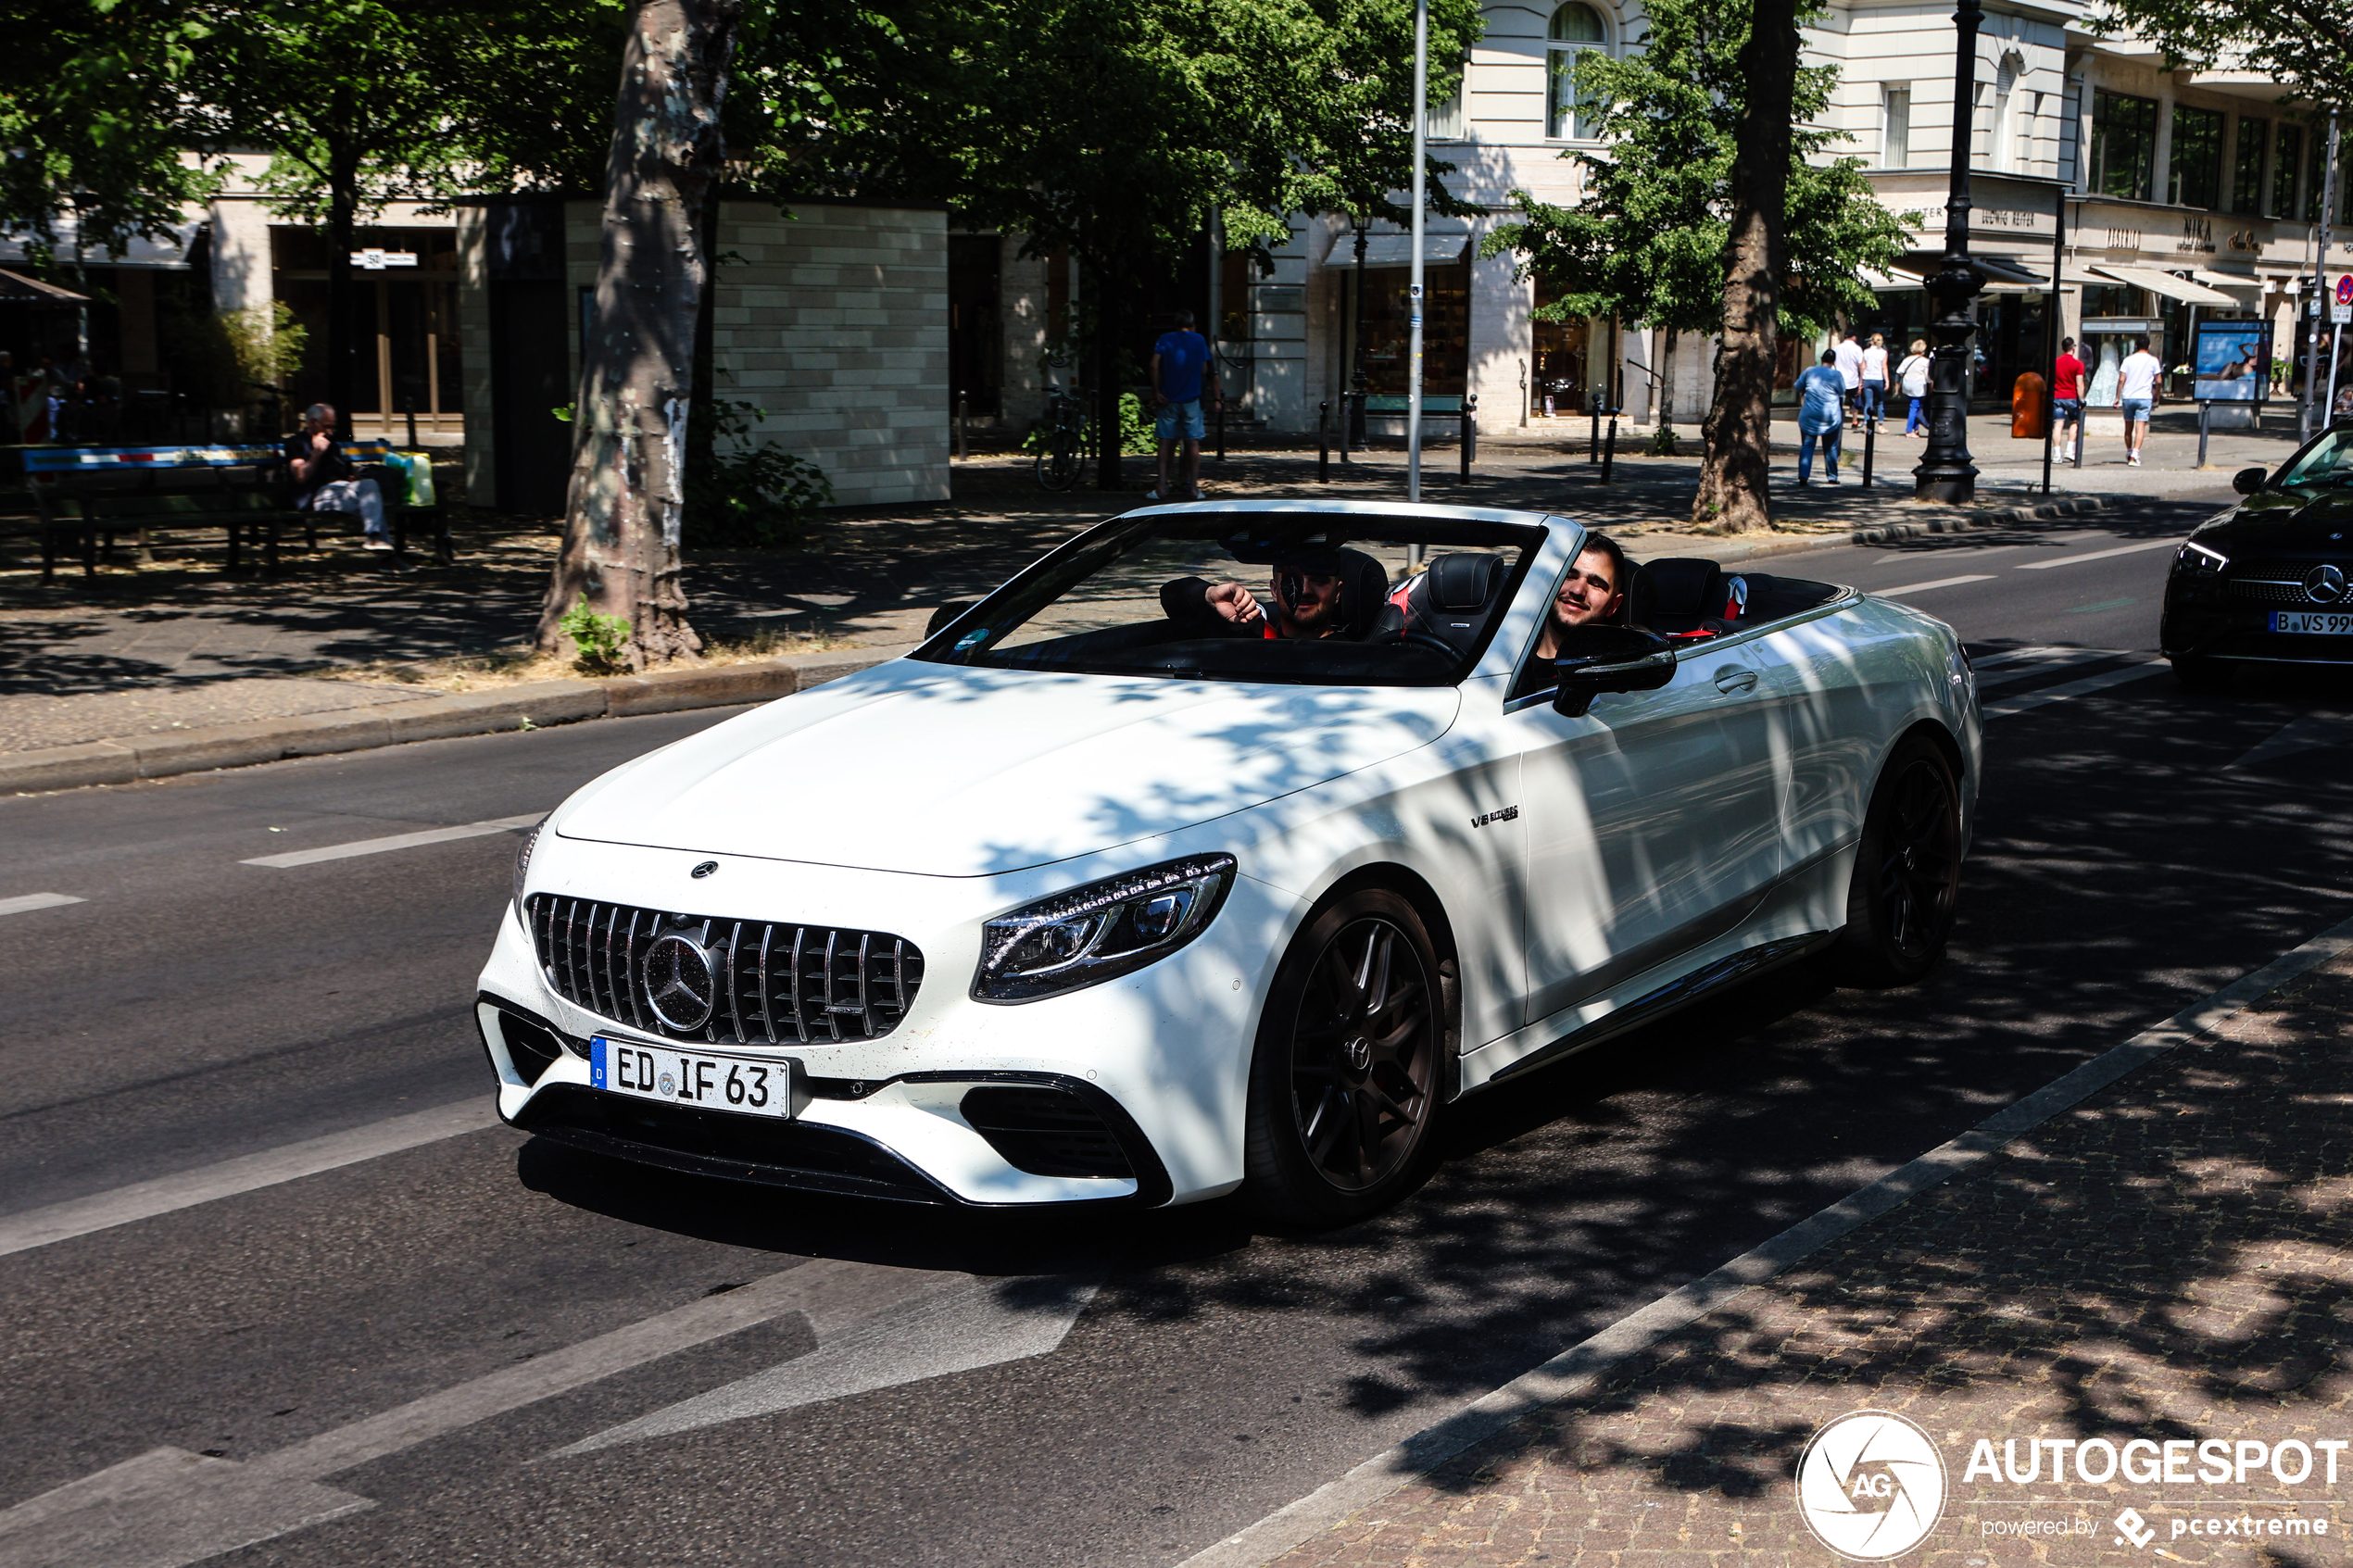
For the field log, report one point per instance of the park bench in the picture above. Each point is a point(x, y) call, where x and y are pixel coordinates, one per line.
point(97, 492)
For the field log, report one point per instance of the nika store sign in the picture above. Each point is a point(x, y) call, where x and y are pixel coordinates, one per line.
point(1874, 1486)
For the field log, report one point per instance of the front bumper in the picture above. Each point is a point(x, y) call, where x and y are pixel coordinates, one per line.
point(1130, 1091)
point(2205, 619)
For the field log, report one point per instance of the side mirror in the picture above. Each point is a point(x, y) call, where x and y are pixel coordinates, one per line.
point(946, 613)
point(2246, 482)
point(1594, 660)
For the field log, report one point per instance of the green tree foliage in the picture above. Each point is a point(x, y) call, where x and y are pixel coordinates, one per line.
point(2304, 46)
point(1647, 243)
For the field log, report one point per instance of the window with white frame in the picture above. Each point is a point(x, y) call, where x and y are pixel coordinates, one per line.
point(2005, 90)
point(1448, 119)
point(1576, 28)
point(1895, 128)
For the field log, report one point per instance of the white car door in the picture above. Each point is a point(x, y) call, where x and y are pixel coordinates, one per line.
point(1651, 825)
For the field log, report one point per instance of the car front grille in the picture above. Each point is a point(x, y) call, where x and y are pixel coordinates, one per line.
point(772, 983)
point(2266, 593)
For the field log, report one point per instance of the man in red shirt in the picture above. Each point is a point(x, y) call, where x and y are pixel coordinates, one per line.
point(2067, 396)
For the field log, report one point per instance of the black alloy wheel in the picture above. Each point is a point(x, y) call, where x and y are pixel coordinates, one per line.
point(1907, 871)
point(1347, 1074)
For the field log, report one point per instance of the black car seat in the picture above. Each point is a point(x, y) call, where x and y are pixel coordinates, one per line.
point(1364, 594)
point(1453, 598)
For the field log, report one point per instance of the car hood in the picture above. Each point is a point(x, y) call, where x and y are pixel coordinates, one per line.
point(2283, 520)
point(951, 771)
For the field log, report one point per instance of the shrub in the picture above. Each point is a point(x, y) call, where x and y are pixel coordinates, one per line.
point(599, 639)
point(1135, 437)
point(747, 495)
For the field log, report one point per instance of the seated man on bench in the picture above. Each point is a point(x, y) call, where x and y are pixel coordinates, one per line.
point(323, 479)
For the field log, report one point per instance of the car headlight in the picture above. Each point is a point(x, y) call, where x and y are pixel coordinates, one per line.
point(2195, 557)
point(1101, 931)
point(522, 860)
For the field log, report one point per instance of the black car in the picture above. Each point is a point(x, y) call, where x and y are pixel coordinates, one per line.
point(2270, 581)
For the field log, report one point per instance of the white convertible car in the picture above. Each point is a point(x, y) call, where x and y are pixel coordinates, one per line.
point(1104, 894)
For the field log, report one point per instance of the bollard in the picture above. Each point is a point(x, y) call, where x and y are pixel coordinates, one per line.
point(1470, 433)
point(1323, 441)
point(1221, 427)
point(1609, 450)
point(408, 406)
point(1870, 434)
point(964, 449)
point(1593, 442)
point(1351, 421)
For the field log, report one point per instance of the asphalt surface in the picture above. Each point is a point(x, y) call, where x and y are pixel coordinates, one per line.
point(1180, 1376)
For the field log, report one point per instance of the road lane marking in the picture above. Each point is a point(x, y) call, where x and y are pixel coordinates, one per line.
point(2057, 659)
point(2101, 554)
point(145, 1200)
point(1577, 1369)
point(26, 901)
point(1939, 583)
point(169, 1508)
point(980, 1323)
point(2148, 666)
point(2014, 655)
point(2307, 734)
point(397, 841)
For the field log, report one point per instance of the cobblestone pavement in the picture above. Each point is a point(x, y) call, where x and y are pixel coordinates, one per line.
point(176, 645)
point(2168, 1261)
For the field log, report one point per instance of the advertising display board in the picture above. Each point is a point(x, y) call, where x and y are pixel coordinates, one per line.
point(2232, 361)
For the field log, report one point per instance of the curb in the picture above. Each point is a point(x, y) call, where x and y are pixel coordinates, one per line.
point(1888, 534)
point(1734, 548)
point(536, 706)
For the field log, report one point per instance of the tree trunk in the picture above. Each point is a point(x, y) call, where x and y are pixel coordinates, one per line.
point(637, 364)
point(1731, 486)
point(1108, 435)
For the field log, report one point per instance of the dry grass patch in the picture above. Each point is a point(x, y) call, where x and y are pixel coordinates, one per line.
point(518, 666)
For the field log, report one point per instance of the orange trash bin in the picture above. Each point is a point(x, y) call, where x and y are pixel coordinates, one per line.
point(2028, 408)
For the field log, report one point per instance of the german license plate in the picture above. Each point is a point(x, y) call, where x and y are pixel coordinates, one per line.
point(2313, 623)
point(753, 1086)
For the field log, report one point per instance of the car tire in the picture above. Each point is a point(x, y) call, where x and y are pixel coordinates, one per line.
point(1350, 1066)
point(2199, 675)
point(1907, 871)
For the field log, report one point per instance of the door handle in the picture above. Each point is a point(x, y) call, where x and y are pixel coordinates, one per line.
point(1731, 680)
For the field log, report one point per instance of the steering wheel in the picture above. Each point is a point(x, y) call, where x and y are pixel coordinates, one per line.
point(1429, 640)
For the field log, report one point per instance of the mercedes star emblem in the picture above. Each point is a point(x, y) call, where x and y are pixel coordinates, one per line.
point(679, 987)
point(704, 869)
point(2324, 585)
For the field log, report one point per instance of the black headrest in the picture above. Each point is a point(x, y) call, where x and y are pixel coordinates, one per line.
point(1642, 597)
point(1364, 592)
point(1685, 585)
point(1462, 582)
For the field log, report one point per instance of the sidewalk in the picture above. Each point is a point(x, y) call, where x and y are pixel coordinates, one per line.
point(2167, 1261)
point(176, 647)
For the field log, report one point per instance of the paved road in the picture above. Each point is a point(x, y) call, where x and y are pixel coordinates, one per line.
point(476, 1346)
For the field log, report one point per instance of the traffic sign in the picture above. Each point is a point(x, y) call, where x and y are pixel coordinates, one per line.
point(2345, 289)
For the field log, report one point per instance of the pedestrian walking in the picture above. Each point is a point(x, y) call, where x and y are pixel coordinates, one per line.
point(1875, 380)
point(1180, 360)
point(1848, 357)
point(2067, 397)
point(2136, 387)
point(1911, 377)
point(1821, 398)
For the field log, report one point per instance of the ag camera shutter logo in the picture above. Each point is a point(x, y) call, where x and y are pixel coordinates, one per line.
point(1870, 1485)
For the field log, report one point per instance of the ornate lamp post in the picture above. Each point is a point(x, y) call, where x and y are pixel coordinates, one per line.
point(1945, 472)
point(1358, 381)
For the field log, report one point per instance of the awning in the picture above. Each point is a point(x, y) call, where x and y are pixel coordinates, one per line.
point(17, 287)
point(170, 253)
point(1397, 250)
point(2228, 280)
point(1880, 283)
point(2000, 274)
point(2168, 285)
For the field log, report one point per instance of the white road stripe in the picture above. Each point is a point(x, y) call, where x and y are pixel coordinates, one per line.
point(397, 841)
point(2101, 554)
point(24, 901)
point(1576, 1369)
point(1939, 583)
point(2015, 655)
point(2084, 687)
point(2059, 659)
point(145, 1200)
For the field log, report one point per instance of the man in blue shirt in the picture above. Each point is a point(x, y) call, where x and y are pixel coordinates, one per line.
point(1821, 414)
point(1180, 361)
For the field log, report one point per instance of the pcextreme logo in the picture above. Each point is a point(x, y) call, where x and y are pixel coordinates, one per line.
point(1870, 1485)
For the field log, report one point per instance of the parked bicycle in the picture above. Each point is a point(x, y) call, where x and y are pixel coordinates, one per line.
point(1061, 459)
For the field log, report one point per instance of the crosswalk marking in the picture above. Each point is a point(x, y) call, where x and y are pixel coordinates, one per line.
point(2145, 666)
point(2100, 555)
point(396, 841)
point(26, 901)
point(2049, 660)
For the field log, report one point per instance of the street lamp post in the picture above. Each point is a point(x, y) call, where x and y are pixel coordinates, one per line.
point(1358, 381)
point(1945, 472)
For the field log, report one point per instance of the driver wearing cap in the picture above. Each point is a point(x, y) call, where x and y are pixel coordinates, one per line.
point(1307, 590)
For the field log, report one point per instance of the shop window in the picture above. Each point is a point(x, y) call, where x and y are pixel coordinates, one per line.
point(2247, 169)
point(2124, 144)
point(1388, 324)
point(1563, 359)
point(1896, 129)
point(2287, 160)
point(2104, 301)
point(2197, 157)
point(1570, 112)
point(1237, 272)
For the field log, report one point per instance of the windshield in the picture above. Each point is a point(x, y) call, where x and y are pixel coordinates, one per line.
point(2328, 461)
point(1311, 597)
